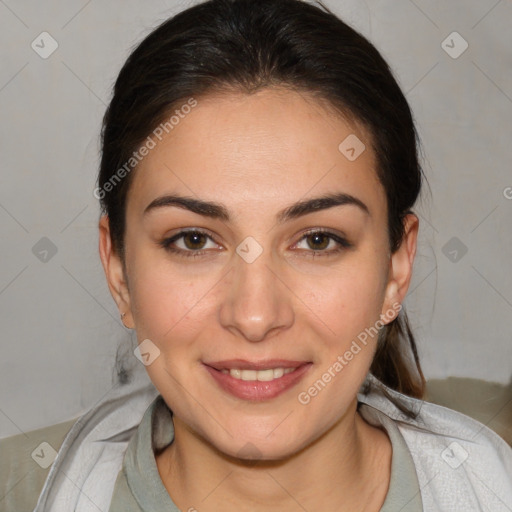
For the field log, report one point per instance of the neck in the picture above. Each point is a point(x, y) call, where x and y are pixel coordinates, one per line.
point(347, 469)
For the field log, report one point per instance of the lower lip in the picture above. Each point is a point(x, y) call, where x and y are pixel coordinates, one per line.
point(256, 390)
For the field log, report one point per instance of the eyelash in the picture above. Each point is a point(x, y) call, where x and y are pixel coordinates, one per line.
point(343, 244)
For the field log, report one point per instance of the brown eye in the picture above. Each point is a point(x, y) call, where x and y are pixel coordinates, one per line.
point(318, 241)
point(194, 240)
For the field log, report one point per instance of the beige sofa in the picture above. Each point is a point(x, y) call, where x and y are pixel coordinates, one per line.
point(487, 402)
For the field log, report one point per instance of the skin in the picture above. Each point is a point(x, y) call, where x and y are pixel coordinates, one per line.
point(257, 154)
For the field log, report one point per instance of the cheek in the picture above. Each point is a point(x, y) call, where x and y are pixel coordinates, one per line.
point(169, 304)
point(173, 311)
point(348, 306)
point(347, 301)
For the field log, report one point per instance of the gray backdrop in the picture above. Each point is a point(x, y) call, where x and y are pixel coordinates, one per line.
point(59, 326)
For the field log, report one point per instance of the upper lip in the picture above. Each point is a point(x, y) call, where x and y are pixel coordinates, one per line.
point(242, 364)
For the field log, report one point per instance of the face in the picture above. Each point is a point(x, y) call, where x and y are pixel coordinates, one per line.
point(254, 243)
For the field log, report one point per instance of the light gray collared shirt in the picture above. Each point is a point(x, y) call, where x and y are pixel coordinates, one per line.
point(139, 488)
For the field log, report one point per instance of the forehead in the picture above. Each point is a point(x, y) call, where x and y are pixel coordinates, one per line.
point(263, 150)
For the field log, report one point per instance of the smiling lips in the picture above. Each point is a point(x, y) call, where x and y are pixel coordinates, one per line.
point(260, 375)
point(257, 381)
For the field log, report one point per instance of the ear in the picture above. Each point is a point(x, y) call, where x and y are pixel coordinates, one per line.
point(114, 272)
point(400, 270)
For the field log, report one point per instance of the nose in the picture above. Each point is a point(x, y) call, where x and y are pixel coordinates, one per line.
point(256, 304)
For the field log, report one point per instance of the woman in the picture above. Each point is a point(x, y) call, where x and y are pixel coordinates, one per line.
point(259, 167)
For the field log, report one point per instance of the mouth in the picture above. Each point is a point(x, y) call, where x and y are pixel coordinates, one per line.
point(257, 381)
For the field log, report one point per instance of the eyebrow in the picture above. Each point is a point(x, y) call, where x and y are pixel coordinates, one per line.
point(219, 211)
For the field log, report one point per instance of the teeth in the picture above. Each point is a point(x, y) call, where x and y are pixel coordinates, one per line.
point(261, 375)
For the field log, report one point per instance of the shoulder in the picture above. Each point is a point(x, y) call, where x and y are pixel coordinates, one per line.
point(92, 452)
point(25, 460)
point(461, 464)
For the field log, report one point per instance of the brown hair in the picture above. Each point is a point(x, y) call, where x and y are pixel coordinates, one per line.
point(246, 45)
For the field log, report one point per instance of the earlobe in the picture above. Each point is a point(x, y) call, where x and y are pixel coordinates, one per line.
point(114, 272)
point(392, 292)
point(392, 304)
